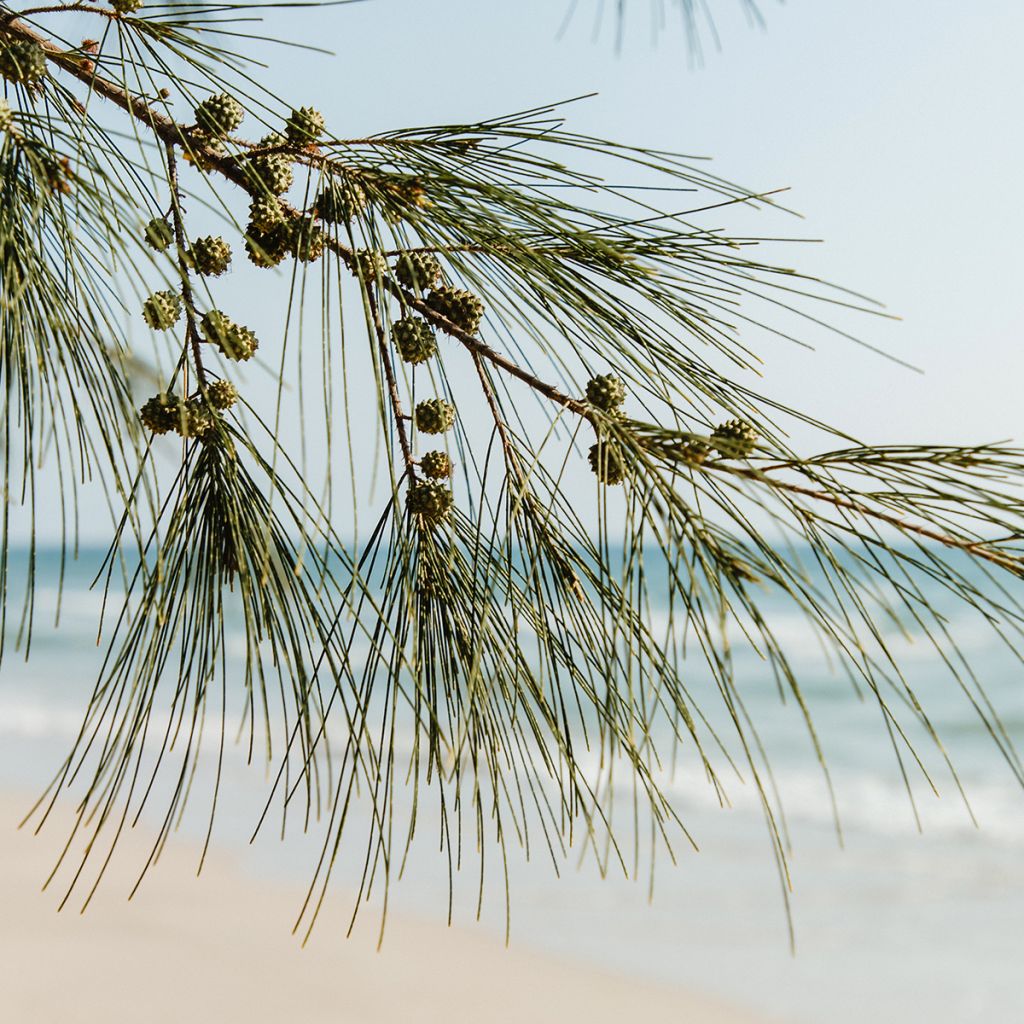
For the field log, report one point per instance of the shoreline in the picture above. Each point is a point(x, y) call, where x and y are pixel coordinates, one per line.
point(219, 948)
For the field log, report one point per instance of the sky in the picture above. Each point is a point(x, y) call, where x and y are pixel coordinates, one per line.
point(895, 127)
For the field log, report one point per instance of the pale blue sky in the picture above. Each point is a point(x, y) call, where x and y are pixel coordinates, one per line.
point(896, 125)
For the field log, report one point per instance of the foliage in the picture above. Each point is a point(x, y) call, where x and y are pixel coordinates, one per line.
point(490, 643)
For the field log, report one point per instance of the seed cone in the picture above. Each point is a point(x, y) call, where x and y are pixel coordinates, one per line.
point(695, 453)
point(307, 241)
point(161, 413)
point(606, 392)
point(305, 126)
point(211, 256)
point(271, 172)
point(418, 271)
point(22, 62)
point(126, 6)
point(414, 339)
point(162, 310)
point(436, 465)
point(434, 416)
point(159, 234)
point(432, 502)
point(222, 394)
point(339, 201)
point(265, 213)
point(462, 308)
point(234, 341)
point(370, 265)
point(734, 439)
point(268, 248)
point(219, 115)
point(607, 462)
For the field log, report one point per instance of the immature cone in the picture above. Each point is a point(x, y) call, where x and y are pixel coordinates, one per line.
point(370, 265)
point(219, 115)
point(607, 392)
point(211, 256)
point(431, 501)
point(434, 416)
point(436, 465)
point(222, 394)
point(126, 6)
point(265, 214)
point(159, 234)
point(607, 462)
point(268, 248)
point(236, 342)
point(734, 439)
point(307, 241)
point(272, 172)
point(162, 310)
point(339, 201)
point(6, 117)
point(305, 125)
point(418, 271)
point(161, 414)
point(414, 339)
point(695, 453)
point(463, 308)
point(22, 62)
point(196, 419)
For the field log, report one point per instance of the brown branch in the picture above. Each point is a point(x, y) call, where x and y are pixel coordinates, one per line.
point(180, 239)
point(392, 382)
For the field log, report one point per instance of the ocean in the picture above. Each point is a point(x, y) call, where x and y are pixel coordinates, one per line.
point(899, 923)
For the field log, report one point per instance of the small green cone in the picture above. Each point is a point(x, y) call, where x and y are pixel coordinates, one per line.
point(434, 416)
point(219, 115)
point(734, 439)
point(305, 126)
point(162, 310)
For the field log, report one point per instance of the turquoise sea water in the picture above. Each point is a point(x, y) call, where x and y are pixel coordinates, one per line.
point(900, 925)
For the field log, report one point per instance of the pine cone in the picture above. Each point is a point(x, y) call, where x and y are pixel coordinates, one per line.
point(434, 416)
point(219, 115)
point(462, 308)
point(418, 271)
point(429, 500)
point(162, 310)
point(234, 341)
point(6, 117)
point(436, 465)
point(159, 234)
point(307, 240)
point(370, 265)
point(339, 201)
point(414, 339)
point(268, 248)
point(22, 62)
point(694, 453)
point(734, 439)
point(126, 6)
point(271, 172)
point(305, 126)
point(607, 462)
point(197, 419)
point(265, 214)
point(607, 392)
point(161, 414)
point(211, 256)
point(222, 394)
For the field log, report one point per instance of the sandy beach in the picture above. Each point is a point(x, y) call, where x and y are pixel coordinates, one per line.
point(219, 949)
